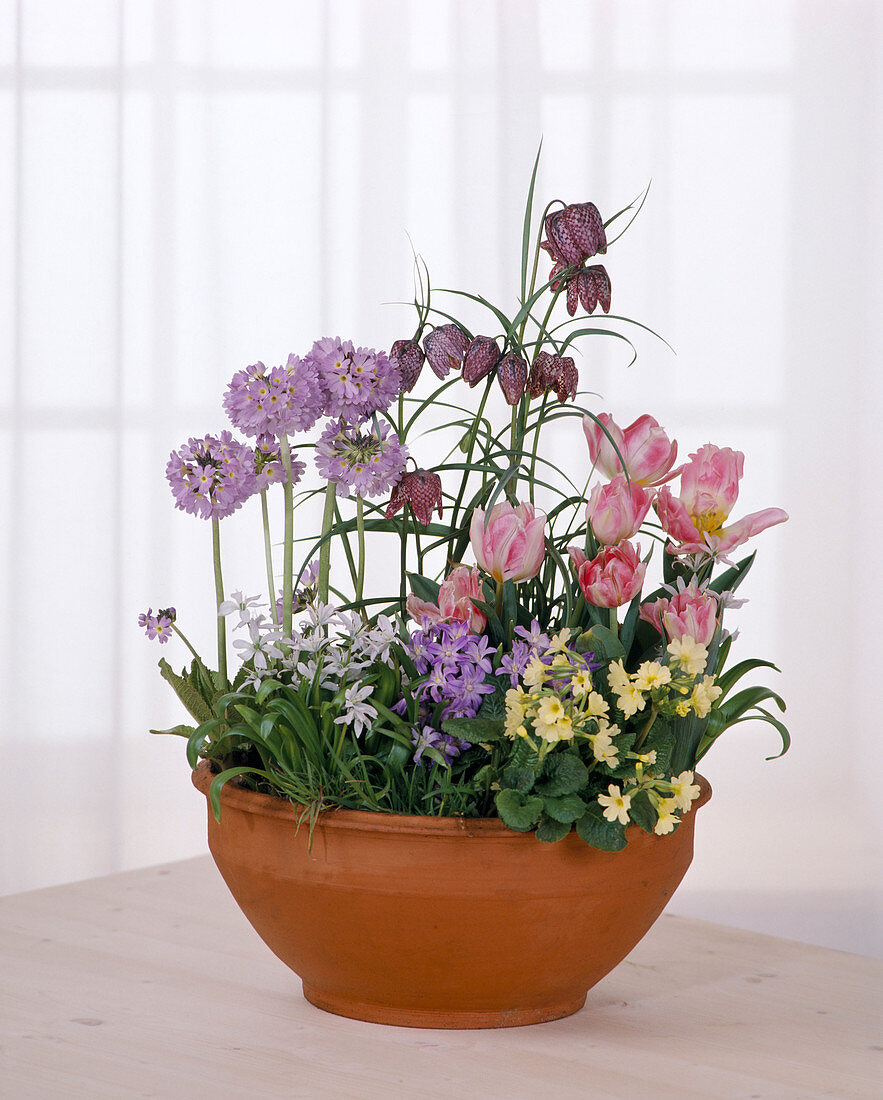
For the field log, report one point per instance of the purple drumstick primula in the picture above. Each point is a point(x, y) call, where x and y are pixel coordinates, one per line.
point(277, 401)
point(213, 476)
point(368, 460)
point(356, 382)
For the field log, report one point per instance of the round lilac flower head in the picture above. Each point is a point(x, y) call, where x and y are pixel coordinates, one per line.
point(211, 477)
point(367, 459)
point(268, 463)
point(356, 381)
point(275, 402)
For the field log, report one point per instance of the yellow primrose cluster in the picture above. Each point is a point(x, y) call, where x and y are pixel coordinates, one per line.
point(672, 688)
point(559, 702)
point(668, 797)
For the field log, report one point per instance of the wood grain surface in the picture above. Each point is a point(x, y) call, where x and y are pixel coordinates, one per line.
point(151, 983)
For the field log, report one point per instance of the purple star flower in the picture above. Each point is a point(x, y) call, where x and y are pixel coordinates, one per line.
point(275, 402)
point(356, 381)
point(212, 477)
point(368, 459)
point(159, 625)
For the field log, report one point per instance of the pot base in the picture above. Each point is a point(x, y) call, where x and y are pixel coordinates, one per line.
point(428, 1018)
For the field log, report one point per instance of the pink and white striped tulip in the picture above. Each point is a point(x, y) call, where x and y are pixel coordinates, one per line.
point(709, 489)
point(511, 544)
point(692, 612)
point(648, 452)
point(616, 510)
point(455, 596)
point(614, 577)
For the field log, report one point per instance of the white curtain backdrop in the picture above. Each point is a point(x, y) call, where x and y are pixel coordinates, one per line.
point(187, 186)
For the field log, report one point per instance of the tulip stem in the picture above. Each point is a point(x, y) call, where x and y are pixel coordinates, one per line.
point(499, 605)
point(614, 622)
point(473, 436)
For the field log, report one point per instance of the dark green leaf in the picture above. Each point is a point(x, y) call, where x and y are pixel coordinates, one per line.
point(519, 778)
point(563, 773)
point(598, 832)
point(551, 830)
point(567, 807)
point(475, 729)
point(178, 731)
point(518, 811)
point(641, 812)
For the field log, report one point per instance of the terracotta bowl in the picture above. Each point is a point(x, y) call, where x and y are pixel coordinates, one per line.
point(440, 922)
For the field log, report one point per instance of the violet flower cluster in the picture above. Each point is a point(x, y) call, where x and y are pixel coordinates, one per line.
point(534, 643)
point(213, 476)
point(157, 626)
point(367, 459)
point(456, 664)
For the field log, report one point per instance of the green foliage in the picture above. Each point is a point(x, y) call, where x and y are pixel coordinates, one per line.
point(596, 831)
point(519, 811)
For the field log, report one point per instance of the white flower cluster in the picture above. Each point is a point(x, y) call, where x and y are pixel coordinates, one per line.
point(333, 648)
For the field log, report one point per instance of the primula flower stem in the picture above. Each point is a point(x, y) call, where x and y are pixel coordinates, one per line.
point(268, 554)
point(325, 551)
point(288, 539)
point(360, 578)
point(219, 597)
point(642, 735)
point(186, 642)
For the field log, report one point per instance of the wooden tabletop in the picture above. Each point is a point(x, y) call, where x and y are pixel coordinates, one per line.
point(152, 983)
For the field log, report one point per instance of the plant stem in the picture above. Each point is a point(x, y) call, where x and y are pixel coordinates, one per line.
point(499, 605)
point(642, 736)
point(360, 578)
point(472, 441)
point(219, 597)
point(325, 551)
point(268, 555)
point(614, 622)
point(185, 641)
point(288, 538)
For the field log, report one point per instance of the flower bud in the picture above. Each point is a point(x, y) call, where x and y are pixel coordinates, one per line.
point(409, 358)
point(614, 577)
point(511, 543)
point(482, 355)
point(445, 347)
point(616, 510)
point(512, 376)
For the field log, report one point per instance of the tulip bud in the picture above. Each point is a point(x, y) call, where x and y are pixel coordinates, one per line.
point(445, 347)
point(482, 355)
point(512, 376)
point(616, 510)
point(614, 577)
point(422, 489)
point(510, 543)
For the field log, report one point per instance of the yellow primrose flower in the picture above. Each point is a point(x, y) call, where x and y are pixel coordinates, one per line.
point(617, 676)
point(604, 749)
point(535, 673)
point(580, 684)
point(667, 819)
point(559, 642)
point(630, 700)
point(684, 790)
point(703, 695)
point(689, 654)
point(551, 710)
point(648, 757)
point(596, 705)
point(616, 804)
point(683, 708)
point(652, 674)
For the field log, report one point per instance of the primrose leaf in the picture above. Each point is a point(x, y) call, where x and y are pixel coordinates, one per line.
point(567, 808)
point(563, 773)
point(518, 811)
point(550, 830)
point(598, 832)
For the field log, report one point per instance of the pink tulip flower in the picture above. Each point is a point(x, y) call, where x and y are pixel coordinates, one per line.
point(692, 612)
point(577, 556)
point(511, 544)
point(616, 510)
point(709, 489)
point(455, 596)
point(648, 452)
point(614, 577)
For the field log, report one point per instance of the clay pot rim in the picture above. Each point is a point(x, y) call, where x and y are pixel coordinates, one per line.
point(268, 805)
